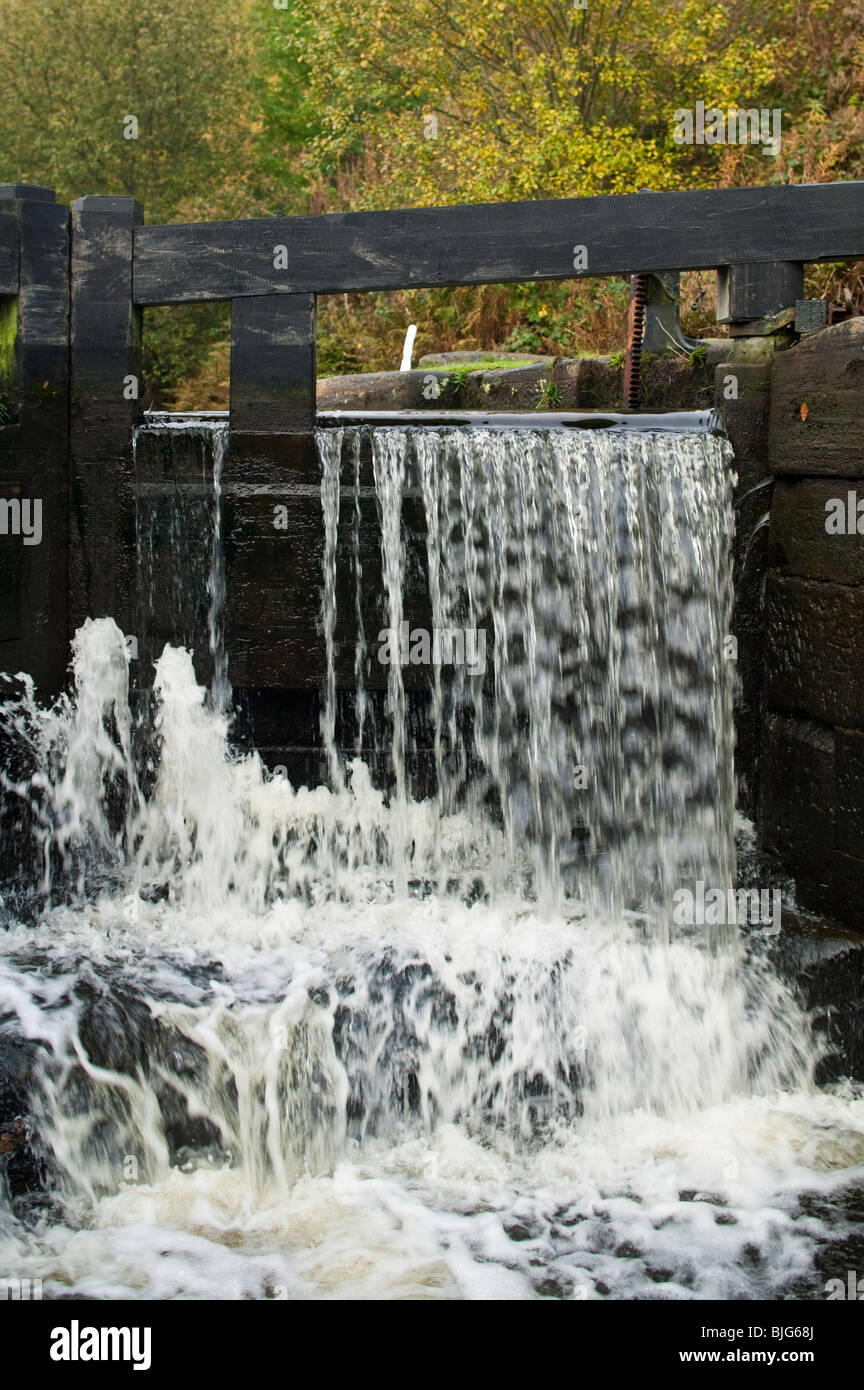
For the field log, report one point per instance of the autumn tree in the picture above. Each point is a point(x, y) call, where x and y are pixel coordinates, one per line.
point(143, 97)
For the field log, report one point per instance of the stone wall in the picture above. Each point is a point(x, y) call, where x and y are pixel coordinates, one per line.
point(743, 399)
point(670, 381)
point(811, 805)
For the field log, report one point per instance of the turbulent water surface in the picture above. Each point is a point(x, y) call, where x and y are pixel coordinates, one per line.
point(348, 1042)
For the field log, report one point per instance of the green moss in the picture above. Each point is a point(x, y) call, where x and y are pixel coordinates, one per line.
point(501, 364)
point(8, 340)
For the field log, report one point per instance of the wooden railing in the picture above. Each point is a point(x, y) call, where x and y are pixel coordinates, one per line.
point(73, 288)
point(272, 269)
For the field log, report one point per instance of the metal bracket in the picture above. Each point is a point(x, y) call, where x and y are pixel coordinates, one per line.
point(663, 315)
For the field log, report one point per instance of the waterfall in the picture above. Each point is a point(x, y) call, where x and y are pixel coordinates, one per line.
point(220, 689)
point(384, 1039)
point(181, 565)
point(595, 736)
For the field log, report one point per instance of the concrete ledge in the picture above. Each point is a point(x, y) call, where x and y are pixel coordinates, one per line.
point(383, 391)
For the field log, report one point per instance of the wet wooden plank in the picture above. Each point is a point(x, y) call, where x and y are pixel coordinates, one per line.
point(273, 364)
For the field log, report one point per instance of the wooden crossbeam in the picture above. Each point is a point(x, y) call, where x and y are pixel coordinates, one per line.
point(498, 242)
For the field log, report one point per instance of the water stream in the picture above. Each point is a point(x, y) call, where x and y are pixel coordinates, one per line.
point(348, 1042)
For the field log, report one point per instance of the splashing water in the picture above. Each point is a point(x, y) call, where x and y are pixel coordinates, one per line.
point(347, 1042)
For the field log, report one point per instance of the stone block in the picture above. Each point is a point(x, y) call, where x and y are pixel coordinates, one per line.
point(825, 374)
point(814, 650)
point(800, 544)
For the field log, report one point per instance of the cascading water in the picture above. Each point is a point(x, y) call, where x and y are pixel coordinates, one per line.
point(586, 568)
point(220, 688)
point(348, 1042)
point(179, 507)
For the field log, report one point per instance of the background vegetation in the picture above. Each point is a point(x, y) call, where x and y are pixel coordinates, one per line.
point(252, 107)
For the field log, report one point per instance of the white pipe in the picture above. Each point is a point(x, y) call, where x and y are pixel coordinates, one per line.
point(408, 348)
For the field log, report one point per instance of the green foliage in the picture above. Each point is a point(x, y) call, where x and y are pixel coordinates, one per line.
point(8, 341)
point(179, 343)
point(534, 98)
point(459, 376)
point(246, 109)
point(549, 393)
point(73, 71)
point(288, 118)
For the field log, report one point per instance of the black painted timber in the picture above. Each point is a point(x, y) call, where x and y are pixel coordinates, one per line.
point(748, 292)
point(34, 443)
point(273, 364)
point(10, 195)
point(498, 242)
point(33, 192)
point(8, 256)
point(105, 366)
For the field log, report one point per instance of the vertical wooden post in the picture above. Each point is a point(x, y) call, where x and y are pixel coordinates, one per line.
point(105, 385)
point(272, 463)
point(34, 439)
point(748, 293)
point(273, 364)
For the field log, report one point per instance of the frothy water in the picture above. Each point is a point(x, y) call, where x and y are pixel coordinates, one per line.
point(344, 1042)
